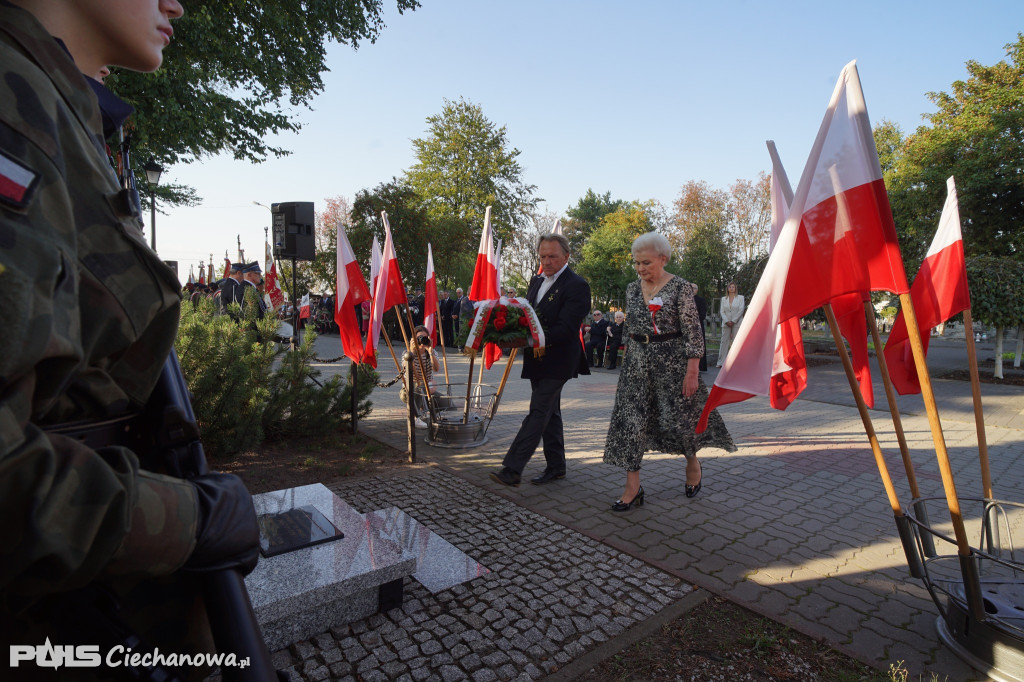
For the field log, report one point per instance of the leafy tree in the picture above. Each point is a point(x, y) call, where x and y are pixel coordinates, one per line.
point(977, 136)
point(607, 261)
point(464, 164)
point(410, 228)
point(749, 274)
point(698, 205)
point(585, 217)
point(997, 296)
point(233, 71)
point(707, 260)
point(750, 209)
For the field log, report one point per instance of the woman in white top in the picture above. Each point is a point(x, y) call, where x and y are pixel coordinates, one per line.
point(732, 315)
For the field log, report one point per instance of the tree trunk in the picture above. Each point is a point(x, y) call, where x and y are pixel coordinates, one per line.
point(1020, 344)
point(998, 373)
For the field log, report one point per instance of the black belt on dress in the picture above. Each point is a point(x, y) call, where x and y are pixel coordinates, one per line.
point(651, 338)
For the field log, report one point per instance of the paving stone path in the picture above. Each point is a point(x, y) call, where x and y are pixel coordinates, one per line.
point(795, 525)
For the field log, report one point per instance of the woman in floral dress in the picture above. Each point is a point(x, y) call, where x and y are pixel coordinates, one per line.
point(660, 394)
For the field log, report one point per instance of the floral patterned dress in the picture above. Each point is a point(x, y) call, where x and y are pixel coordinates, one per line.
point(650, 410)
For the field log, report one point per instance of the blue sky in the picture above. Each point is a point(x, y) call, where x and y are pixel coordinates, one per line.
point(632, 98)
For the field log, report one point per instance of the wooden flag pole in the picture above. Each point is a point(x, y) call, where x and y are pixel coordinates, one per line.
point(483, 364)
point(444, 353)
point(401, 327)
point(869, 428)
point(890, 395)
point(504, 378)
point(979, 416)
point(963, 546)
point(387, 340)
point(469, 385)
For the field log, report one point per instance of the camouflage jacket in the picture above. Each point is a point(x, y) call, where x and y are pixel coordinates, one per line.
point(89, 316)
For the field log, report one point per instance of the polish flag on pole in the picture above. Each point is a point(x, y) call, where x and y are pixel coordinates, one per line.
point(430, 298)
point(227, 266)
point(839, 237)
point(497, 269)
point(789, 367)
point(374, 264)
point(485, 280)
point(350, 292)
point(485, 275)
point(388, 290)
point(304, 306)
point(939, 292)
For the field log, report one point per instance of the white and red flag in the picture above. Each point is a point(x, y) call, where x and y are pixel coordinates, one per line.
point(839, 239)
point(388, 291)
point(227, 267)
point(485, 275)
point(374, 264)
point(191, 276)
point(202, 274)
point(430, 298)
point(485, 280)
point(350, 292)
point(940, 291)
point(272, 288)
point(304, 306)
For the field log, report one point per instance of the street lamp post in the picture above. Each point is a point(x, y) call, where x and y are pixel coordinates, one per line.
point(153, 171)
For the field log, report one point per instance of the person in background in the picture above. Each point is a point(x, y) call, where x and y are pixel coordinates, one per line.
point(732, 315)
point(430, 364)
point(660, 394)
point(598, 339)
point(615, 339)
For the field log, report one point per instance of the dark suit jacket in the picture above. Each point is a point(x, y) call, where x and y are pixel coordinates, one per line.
point(599, 333)
point(561, 312)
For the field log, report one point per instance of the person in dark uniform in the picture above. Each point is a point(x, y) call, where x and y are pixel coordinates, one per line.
point(231, 288)
point(445, 306)
point(253, 277)
point(598, 339)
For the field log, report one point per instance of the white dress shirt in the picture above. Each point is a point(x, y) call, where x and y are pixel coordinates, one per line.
point(547, 283)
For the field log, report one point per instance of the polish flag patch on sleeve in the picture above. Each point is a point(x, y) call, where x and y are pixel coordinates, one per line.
point(16, 181)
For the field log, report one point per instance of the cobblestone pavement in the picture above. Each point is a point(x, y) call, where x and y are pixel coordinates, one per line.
point(795, 525)
point(552, 594)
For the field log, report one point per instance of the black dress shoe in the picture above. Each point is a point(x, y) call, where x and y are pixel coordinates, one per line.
point(506, 476)
point(638, 500)
point(547, 477)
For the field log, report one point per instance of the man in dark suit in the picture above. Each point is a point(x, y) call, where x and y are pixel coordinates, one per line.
point(561, 299)
point(598, 339)
point(445, 305)
point(457, 313)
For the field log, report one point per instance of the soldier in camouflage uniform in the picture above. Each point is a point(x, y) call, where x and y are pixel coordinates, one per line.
point(90, 314)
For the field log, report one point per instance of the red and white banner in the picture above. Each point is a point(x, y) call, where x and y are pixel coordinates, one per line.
point(304, 306)
point(272, 288)
point(940, 291)
point(430, 298)
point(227, 268)
point(485, 280)
point(839, 238)
point(350, 292)
point(485, 275)
point(388, 290)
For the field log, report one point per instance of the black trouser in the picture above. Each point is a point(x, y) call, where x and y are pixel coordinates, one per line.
point(544, 421)
point(599, 347)
point(612, 355)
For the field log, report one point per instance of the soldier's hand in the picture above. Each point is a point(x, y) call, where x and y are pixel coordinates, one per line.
point(227, 534)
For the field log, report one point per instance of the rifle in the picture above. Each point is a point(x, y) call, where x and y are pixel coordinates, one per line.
point(232, 620)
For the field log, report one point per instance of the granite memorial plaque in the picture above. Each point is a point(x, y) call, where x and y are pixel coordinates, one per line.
point(295, 528)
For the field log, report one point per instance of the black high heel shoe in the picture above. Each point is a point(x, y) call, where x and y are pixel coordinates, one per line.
point(692, 490)
point(637, 500)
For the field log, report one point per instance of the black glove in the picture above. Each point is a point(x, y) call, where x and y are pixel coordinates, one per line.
point(227, 534)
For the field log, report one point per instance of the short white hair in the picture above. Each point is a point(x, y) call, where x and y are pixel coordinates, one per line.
point(652, 241)
point(619, 315)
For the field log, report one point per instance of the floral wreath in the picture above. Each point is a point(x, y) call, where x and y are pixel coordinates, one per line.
point(505, 321)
